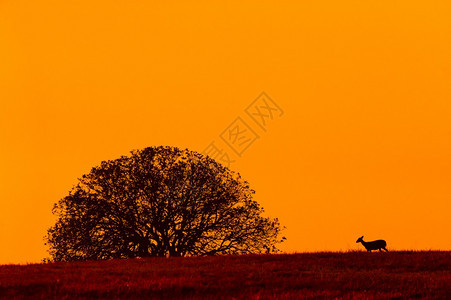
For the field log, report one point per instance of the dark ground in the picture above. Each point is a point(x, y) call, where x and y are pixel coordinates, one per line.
point(346, 275)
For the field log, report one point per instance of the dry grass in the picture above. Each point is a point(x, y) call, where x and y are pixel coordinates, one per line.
point(425, 274)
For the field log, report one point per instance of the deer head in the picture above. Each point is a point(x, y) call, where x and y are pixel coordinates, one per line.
point(360, 239)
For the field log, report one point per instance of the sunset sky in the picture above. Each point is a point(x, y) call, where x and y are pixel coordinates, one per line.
point(363, 146)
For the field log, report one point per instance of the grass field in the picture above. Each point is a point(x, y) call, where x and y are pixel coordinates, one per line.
point(348, 275)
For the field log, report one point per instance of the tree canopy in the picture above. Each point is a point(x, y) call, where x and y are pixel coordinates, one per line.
point(160, 201)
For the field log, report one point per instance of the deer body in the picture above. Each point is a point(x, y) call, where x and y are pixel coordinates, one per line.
point(374, 245)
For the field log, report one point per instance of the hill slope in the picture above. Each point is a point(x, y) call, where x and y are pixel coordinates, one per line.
point(284, 276)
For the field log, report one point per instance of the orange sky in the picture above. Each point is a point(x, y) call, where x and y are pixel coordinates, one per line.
point(363, 147)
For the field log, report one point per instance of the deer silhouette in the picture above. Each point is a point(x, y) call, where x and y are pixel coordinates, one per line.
point(374, 245)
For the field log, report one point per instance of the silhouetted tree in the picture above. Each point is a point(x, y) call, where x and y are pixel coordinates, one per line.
point(160, 201)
